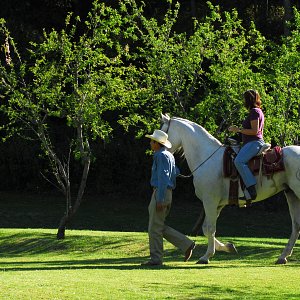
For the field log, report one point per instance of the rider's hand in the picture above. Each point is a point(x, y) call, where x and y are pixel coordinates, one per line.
point(234, 129)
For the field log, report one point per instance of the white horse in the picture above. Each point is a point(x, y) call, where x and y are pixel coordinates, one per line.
point(204, 156)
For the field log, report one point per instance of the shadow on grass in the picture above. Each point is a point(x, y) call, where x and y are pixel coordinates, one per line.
point(253, 254)
point(216, 291)
point(25, 243)
point(19, 245)
point(125, 263)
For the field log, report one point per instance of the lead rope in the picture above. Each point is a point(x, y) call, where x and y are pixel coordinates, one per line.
point(190, 175)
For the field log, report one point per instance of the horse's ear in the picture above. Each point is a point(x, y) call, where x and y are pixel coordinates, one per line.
point(165, 118)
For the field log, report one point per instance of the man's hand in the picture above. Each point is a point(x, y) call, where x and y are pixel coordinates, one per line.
point(159, 206)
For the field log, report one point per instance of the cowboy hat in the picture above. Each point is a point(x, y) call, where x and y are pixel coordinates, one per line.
point(160, 137)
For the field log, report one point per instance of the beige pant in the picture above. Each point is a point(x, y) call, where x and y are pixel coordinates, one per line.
point(157, 230)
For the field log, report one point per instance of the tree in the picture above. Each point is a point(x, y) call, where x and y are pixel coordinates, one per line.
point(122, 67)
point(233, 58)
point(71, 77)
point(169, 68)
point(283, 80)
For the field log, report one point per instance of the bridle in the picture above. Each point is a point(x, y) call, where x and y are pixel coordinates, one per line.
point(192, 172)
point(169, 123)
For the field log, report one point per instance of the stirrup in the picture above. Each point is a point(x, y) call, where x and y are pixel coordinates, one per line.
point(249, 195)
point(265, 147)
point(232, 142)
point(234, 145)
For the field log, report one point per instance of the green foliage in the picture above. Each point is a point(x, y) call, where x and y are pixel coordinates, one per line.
point(203, 76)
point(234, 64)
point(120, 67)
point(283, 76)
point(161, 74)
point(72, 77)
point(140, 66)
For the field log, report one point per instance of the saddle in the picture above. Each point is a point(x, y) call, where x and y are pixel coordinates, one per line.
point(267, 162)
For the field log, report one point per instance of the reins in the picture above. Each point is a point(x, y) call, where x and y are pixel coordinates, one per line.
point(190, 175)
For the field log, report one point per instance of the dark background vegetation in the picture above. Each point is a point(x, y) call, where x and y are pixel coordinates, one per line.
point(121, 170)
point(119, 212)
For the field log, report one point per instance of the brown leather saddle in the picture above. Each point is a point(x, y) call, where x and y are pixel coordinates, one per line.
point(268, 163)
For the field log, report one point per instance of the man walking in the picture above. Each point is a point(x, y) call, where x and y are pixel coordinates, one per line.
point(163, 181)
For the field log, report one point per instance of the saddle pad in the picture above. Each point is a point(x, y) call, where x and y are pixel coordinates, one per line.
point(272, 162)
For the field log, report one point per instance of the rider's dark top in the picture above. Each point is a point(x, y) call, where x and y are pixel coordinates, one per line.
point(255, 114)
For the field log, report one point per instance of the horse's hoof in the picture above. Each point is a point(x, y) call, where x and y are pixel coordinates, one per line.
point(281, 261)
point(202, 262)
point(231, 248)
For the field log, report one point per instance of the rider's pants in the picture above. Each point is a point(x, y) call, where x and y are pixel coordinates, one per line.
point(248, 151)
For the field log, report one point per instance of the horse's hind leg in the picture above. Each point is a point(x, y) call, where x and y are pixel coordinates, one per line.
point(294, 208)
point(228, 247)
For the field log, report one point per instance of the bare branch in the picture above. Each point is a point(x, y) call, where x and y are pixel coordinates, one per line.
point(51, 182)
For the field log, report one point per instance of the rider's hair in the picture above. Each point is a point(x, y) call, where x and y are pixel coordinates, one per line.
point(252, 99)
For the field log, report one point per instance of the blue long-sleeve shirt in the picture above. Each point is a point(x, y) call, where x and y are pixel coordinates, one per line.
point(164, 172)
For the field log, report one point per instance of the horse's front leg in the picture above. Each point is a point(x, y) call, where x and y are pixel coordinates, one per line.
point(294, 208)
point(209, 230)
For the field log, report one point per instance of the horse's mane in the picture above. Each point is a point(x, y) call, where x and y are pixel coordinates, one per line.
point(197, 128)
point(180, 154)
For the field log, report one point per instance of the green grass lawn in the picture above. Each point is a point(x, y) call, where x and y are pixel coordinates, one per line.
point(106, 242)
point(106, 265)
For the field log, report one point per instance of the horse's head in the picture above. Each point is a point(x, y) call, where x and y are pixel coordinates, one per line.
point(168, 127)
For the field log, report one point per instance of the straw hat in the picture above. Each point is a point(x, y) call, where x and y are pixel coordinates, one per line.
point(160, 137)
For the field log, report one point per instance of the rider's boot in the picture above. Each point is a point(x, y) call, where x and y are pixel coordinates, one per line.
point(250, 194)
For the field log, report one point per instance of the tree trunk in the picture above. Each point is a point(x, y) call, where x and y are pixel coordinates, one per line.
point(65, 219)
point(84, 148)
point(73, 210)
point(62, 228)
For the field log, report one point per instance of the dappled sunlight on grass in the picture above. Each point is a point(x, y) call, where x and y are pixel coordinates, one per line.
point(109, 263)
point(94, 247)
point(33, 242)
